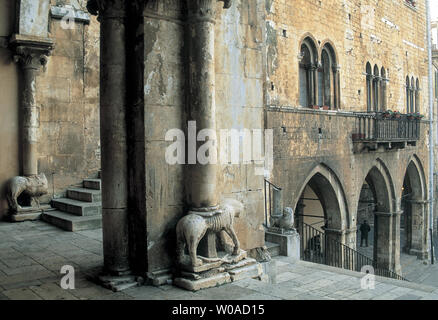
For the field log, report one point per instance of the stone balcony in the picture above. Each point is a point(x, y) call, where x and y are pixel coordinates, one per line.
point(377, 130)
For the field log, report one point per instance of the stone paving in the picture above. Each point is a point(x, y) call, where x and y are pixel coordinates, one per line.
point(32, 254)
point(413, 269)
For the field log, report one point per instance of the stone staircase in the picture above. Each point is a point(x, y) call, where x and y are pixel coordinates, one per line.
point(273, 248)
point(80, 210)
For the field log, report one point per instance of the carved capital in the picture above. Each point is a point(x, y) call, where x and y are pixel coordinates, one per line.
point(31, 52)
point(205, 9)
point(29, 58)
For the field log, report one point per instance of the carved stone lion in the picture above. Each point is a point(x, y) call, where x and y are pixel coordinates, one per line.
point(34, 186)
point(192, 228)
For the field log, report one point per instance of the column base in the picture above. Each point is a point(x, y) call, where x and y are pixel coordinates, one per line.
point(422, 255)
point(215, 273)
point(160, 277)
point(119, 282)
point(289, 242)
point(29, 213)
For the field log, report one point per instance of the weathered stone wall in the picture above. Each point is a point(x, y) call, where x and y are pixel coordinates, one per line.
point(9, 130)
point(164, 110)
point(239, 104)
point(299, 148)
point(388, 34)
point(68, 95)
point(68, 101)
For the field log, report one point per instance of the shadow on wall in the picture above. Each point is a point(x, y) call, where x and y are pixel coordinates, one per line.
point(4, 206)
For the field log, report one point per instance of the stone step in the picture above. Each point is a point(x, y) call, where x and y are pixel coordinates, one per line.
point(273, 248)
point(71, 222)
point(78, 208)
point(82, 194)
point(94, 184)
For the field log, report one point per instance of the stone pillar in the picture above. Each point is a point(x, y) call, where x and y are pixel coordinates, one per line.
point(334, 254)
point(299, 218)
point(369, 92)
point(350, 237)
point(383, 239)
point(113, 133)
point(419, 229)
point(201, 189)
point(336, 87)
point(31, 53)
point(396, 266)
point(313, 84)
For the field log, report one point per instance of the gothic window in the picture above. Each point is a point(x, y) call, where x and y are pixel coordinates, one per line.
point(329, 84)
point(412, 95)
point(408, 95)
point(307, 73)
point(376, 86)
point(369, 78)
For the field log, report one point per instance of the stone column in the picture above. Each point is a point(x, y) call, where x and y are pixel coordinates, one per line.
point(113, 133)
point(299, 216)
point(336, 88)
point(376, 93)
point(201, 189)
point(396, 266)
point(383, 239)
point(334, 254)
point(31, 53)
point(369, 93)
point(419, 229)
point(313, 84)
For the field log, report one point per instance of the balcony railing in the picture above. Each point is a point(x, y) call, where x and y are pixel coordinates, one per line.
point(381, 128)
point(317, 247)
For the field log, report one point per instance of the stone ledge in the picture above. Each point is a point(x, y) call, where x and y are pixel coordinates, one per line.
point(58, 12)
point(212, 277)
point(195, 285)
point(29, 213)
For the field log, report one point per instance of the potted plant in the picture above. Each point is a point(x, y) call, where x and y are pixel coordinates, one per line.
point(315, 107)
point(387, 114)
point(396, 114)
point(411, 116)
point(418, 116)
point(325, 108)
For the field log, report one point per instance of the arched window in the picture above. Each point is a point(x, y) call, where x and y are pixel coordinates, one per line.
point(307, 73)
point(369, 90)
point(417, 96)
point(408, 95)
point(329, 74)
point(412, 101)
point(383, 83)
point(376, 86)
